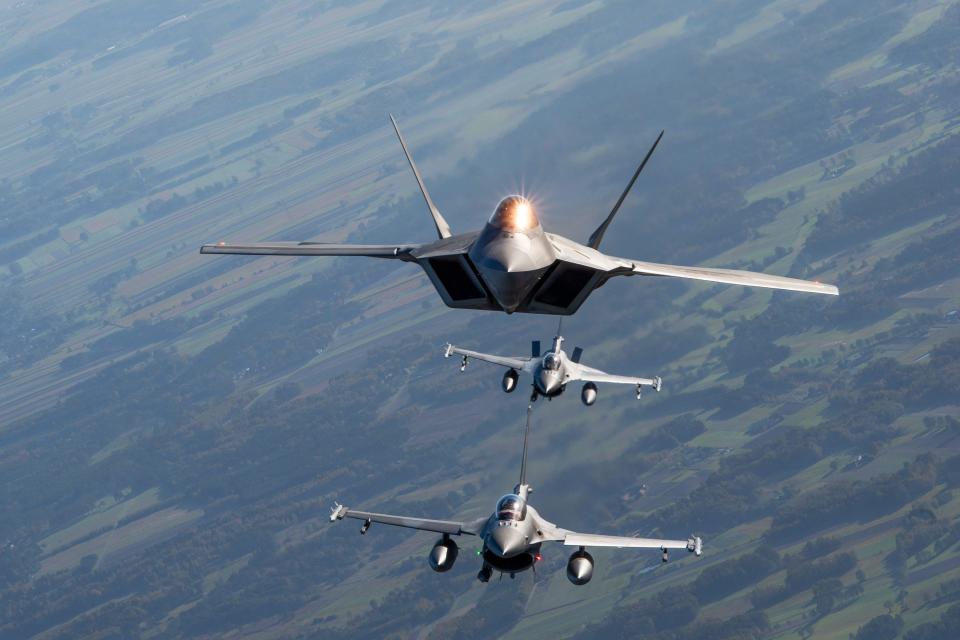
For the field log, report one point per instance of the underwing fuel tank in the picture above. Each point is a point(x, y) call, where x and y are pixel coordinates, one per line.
point(580, 567)
point(510, 379)
point(443, 555)
point(589, 394)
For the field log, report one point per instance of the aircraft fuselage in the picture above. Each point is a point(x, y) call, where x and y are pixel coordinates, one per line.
point(511, 541)
point(511, 264)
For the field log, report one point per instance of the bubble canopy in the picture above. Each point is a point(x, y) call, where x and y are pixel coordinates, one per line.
point(511, 507)
point(514, 213)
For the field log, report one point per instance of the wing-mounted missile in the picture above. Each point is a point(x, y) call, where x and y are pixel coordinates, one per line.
point(576, 355)
point(337, 511)
point(450, 350)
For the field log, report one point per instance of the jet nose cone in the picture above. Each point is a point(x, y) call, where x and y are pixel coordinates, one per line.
point(509, 255)
point(506, 541)
point(548, 383)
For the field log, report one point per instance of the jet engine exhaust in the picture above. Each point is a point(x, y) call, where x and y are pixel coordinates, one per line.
point(580, 567)
point(510, 379)
point(589, 394)
point(443, 555)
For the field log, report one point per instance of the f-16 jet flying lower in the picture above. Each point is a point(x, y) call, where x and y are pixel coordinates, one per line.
point(553, 371)
point(512, 264)
point(513, 534)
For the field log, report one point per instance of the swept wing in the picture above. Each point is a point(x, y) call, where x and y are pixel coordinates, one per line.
point(589, 374)
point(730, 276)
point(394, 251)
point(523, 364)
point(452, 527)
point(573, 539)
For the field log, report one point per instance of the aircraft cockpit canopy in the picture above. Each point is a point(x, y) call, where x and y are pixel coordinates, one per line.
point(511, 507)
point(514, 213)
point(551, 362)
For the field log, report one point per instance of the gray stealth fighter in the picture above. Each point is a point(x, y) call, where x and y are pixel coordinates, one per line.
point(512, 264)
point(552, 372)
point(513, 534)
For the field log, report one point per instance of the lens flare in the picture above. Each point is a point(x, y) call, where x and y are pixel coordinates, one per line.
point(522, 214)
point(515, 213)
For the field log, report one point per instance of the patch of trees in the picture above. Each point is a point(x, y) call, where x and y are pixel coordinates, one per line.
point(26, 334)
point(357, 60)
point(746, 352)
point(660, 347)
point(814, 549)
point(104, 285)
point(949, 590)
point(920, 264)
point(883, 627)
point(263, 132)
point(943, 629)
point(950, 471)
point(19, 249)
point(672, 434)
point(921, 529)
point(160, 207)
point(864, 419)
point(918, 386)
point(805, 575)
point(923, 187)
point(727, 577)
point(90, 31)
point(61, 192)
point(671, 615)
point(936, 47)
point(495, 613)
point(143, 333)
point(848, 501)
point(752, 625)
point(192, 39)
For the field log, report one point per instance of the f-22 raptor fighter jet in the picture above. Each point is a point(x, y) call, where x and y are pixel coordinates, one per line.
point(512, 264)
point(553, 371)
point(512, 535)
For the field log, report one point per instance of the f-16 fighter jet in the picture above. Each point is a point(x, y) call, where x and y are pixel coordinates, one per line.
point(553, 371)
point(512, 264)
point(512, 534)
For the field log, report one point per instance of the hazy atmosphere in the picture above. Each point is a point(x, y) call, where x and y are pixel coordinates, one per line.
point(174, 427)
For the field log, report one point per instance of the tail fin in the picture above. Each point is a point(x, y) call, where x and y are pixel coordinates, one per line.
point(443, 229)
point(597, 235)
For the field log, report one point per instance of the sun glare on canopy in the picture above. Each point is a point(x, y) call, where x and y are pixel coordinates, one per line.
point(514, 213)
